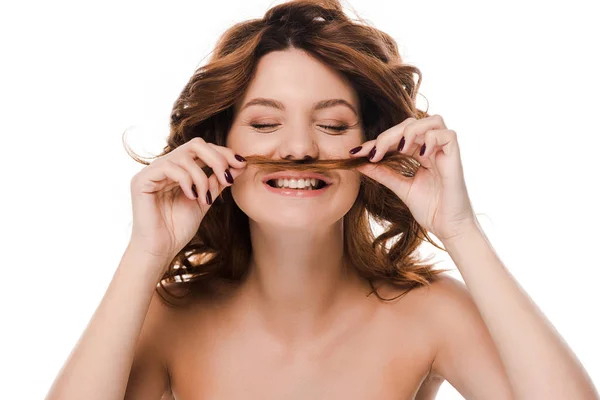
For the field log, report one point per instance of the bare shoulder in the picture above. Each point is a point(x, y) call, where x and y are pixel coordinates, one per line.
point(443, 291)
point(149, 374)
point(440, 302)
point(424, 300)
point(397, 331)
point(165, 326)
point(428, 302)
point(445, 298)
point(413, 314)
point(466, 355)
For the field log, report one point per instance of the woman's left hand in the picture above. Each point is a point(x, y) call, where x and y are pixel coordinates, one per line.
point(437, 195)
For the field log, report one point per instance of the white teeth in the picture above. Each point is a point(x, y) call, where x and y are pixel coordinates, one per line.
point(307, 184)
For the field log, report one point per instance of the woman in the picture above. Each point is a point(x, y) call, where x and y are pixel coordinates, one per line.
point(274, 284)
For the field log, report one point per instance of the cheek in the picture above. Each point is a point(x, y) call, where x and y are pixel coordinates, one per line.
point(240, 197)
point(235, 139)
point(245, 183)
point(351, 183)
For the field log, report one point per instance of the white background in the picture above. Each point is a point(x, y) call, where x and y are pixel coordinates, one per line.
point(518, 82)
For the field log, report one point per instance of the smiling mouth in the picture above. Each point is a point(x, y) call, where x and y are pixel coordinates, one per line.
point(320, 185)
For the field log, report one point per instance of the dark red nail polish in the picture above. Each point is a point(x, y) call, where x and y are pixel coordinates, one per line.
point(355, 150)
point(208, 198)
point(372, 153)
point(228, 176)
point(194, 191)
point(422, 150)
point(239, 158)
point(401, 145)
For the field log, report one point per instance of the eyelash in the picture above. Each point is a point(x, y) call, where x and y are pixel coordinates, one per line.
point(339, 128)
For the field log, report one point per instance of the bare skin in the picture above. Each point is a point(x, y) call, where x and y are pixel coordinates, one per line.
point(300, 326)
point(222, 349)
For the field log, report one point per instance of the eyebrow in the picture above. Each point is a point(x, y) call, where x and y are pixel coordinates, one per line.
point(261, 101)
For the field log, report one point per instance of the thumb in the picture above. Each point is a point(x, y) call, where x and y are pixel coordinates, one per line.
point(393, 180)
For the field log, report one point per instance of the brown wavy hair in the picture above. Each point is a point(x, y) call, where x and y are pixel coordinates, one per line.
point(221, 249)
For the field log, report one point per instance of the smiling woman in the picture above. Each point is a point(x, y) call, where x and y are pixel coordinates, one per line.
point(252, 260)
point(281, 121)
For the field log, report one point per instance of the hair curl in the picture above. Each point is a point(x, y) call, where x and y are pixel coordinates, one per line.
point(221, 249)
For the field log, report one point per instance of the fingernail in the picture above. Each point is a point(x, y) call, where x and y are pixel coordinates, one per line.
point(372, 153)
point(355, 150)
point(208, 198)
point(194, 191)
point(228, 176)
point(401, 145)
point(422, 150)
point(239, 158)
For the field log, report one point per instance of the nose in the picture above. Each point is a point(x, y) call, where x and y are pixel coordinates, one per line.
point(305, 158)
point(299, 146)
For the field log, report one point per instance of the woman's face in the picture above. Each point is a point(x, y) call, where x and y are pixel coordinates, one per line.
point(297, 82)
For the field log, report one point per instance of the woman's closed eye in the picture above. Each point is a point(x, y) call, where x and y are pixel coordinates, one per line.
point(337, 128)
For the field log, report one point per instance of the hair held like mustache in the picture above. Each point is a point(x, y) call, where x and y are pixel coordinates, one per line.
point(402, 163)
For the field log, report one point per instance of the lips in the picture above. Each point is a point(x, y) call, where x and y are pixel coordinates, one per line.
point(297, 194)
point(298, 175)
point(319, 184)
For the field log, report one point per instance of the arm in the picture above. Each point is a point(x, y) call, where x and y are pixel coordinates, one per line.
point(429, 388)
point(100, 364)
point(500, 325)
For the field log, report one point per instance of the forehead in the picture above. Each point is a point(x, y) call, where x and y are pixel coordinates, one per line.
point(295, 76)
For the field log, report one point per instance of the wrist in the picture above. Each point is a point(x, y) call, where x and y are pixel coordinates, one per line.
point(145, 251)
point(153, 265)
point(464, 235)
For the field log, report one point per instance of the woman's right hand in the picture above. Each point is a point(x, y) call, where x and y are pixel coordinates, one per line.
point(166, 212)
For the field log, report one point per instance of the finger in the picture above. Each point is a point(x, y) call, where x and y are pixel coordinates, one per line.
point(413, 133)
point(198, 176)
point(207, 156)
point(212, 158)
point(172, 171)
point(215, 187)
point(435, 140)
point(385, 142)
point(363, 149)
point(426, 150)
point(233, 159)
